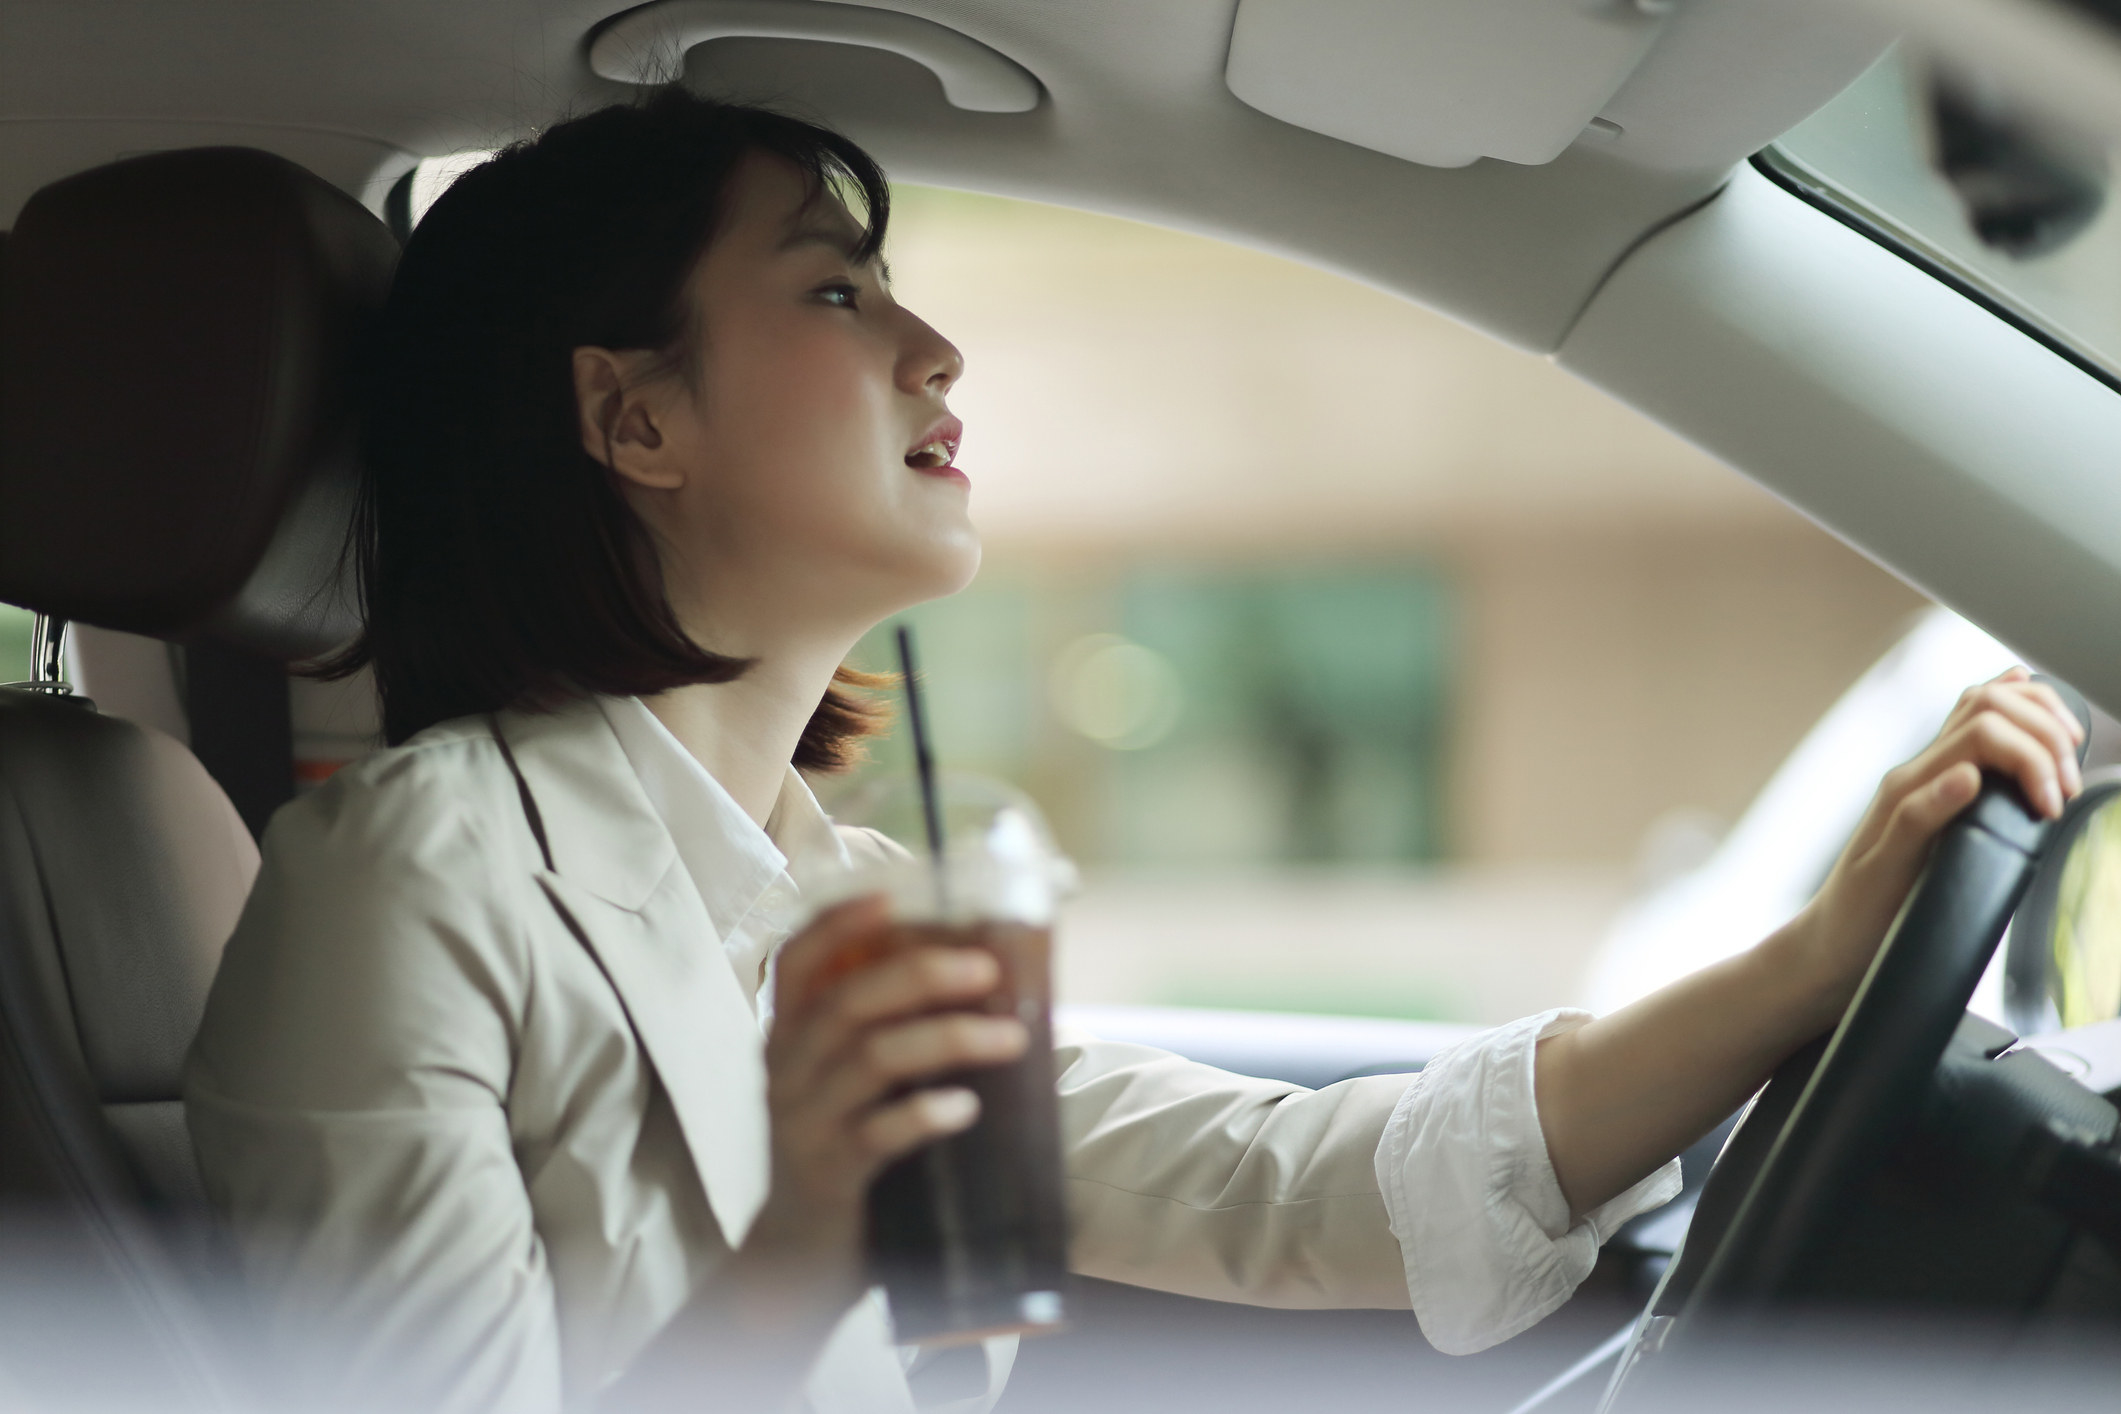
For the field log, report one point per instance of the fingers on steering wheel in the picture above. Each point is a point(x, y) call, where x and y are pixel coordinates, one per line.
point(1981, 694)
point(2034, 705)
point(2072, 729)
point(2038, 709)
point(2012, 741)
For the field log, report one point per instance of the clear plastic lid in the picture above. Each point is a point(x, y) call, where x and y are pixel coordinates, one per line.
point(999, 859)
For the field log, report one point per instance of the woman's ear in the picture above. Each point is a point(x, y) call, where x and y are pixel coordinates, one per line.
point(619, 419)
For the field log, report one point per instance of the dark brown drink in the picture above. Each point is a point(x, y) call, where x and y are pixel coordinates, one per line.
point(969, 1235)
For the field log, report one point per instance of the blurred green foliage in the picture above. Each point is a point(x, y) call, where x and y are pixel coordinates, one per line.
point(1325, 690)
point(1200, 715)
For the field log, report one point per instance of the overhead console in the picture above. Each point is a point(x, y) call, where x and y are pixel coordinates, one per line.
point(1666, 83)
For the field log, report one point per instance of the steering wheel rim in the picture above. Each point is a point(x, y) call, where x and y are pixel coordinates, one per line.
point(1863, 1095)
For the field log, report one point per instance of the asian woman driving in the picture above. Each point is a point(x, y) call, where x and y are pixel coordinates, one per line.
point(514, 1087)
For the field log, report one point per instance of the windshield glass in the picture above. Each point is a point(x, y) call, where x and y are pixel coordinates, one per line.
point(1870, 152)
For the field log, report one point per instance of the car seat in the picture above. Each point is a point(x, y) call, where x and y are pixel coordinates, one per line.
point(177, 459)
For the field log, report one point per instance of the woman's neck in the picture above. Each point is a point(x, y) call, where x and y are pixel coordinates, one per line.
point(745, 732)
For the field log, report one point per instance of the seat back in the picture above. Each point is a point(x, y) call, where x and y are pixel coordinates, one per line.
point(176, 459)
point(123, 868)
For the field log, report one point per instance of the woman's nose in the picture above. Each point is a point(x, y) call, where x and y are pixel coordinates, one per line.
point(931, 363)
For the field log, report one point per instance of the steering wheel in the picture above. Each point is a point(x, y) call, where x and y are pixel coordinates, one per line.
point(1827, 1121)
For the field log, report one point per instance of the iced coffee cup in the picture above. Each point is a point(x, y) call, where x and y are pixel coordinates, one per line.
point(969, 1235)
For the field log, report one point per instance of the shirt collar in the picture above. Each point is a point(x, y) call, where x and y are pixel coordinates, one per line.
point(732, 861)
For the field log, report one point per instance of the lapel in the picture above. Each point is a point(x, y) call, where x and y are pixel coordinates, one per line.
point(616, 880)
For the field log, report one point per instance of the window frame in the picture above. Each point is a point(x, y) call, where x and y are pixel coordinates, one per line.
point(1800, 181)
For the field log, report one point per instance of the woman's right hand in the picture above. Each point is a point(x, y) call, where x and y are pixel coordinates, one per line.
point(855, 1026)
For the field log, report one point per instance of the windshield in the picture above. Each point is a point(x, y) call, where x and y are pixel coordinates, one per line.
point(1869, 153)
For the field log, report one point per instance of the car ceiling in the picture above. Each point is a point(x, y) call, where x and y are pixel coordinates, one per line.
point(1138, 118)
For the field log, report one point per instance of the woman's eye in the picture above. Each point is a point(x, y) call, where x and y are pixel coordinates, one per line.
point(840, 294)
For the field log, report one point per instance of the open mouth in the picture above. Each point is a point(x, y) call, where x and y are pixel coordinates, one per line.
point(931, 456)
point(937, 449)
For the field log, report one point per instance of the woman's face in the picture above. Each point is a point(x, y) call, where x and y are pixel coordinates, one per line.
point(799, 476)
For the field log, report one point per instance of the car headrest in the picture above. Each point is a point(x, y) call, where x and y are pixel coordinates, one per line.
point(178, 334)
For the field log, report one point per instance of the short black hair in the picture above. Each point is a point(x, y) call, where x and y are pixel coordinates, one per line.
point(498, 563)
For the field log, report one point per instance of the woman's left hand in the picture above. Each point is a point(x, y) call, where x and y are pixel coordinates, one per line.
point(1625, 1092)
point(2011, 726)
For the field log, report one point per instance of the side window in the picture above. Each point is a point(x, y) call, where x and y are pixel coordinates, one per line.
point(1363, 664)
point(2052, 267)
point(14, 643)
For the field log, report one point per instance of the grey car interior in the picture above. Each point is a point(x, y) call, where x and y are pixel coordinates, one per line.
point(207, 178)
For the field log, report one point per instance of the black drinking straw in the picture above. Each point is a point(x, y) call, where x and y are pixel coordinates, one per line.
point(923, 759)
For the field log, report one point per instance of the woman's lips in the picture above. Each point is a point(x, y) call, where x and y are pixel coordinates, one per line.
point(936, 453)
point(945, 472)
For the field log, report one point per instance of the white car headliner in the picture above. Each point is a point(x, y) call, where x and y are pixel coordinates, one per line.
point(1921, 429)
point(1137, 119)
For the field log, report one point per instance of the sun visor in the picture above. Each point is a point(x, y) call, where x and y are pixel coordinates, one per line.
point(1448, 82)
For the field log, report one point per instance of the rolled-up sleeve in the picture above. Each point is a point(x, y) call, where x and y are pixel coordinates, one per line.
point(1471, 1195)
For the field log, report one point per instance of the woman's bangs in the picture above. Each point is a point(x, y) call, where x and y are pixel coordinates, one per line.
point(842, 171)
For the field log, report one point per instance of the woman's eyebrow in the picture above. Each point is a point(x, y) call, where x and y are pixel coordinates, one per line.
point(846, 237)
point(843, 236)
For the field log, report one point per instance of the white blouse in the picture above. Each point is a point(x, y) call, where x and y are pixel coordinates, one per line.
point(1482, 1225)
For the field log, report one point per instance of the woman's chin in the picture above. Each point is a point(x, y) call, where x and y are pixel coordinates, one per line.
point(876, 577)
point(948, 554)
point(949, 577)
point(948, 564)
point(969, 554)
